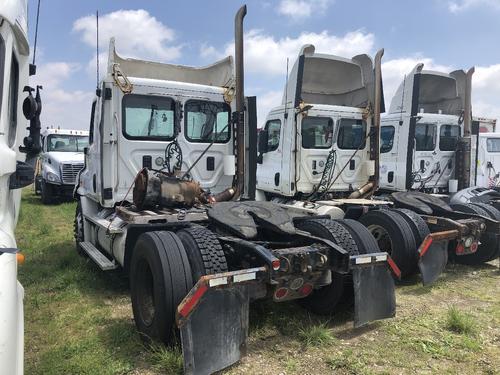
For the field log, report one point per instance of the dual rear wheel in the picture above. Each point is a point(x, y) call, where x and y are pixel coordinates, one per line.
point(163, 269)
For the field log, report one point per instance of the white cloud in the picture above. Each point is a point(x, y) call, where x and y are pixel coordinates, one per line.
point(486, 91)
point(137, 33)
point(265, 103)
point(462, 5)
point(300, 9)
point(267, 55)
point(62, 107)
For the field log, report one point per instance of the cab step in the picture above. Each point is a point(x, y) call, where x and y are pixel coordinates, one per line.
point(99, 258)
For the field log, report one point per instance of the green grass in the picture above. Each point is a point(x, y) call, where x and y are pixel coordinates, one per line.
point(316, 335)
point(460, 322)
point(78, 320)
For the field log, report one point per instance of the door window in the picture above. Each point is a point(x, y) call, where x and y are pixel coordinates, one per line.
point(273, 128)
point(425, 137)
point(317, 132)
point(351, 134)
point(386, 138)
point(13, 92)
point(448, 137)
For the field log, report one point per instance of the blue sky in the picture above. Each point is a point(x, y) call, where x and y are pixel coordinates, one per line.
point(444, 34)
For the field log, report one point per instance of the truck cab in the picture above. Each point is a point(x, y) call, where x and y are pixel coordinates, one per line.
point(321, 127)
point(15, 173)
point(421, 133)
point(487, 171)
point(60, 162)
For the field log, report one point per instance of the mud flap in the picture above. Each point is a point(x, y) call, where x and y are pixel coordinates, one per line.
point(374, 294)
point(213, 321)
point(433, 254)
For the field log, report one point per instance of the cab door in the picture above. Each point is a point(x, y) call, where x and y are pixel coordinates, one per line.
point(269, 171)
point(389, 155)
point(425, 163)
point(448, 138)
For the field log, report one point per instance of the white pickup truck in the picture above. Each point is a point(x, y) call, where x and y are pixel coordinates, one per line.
point(59, 163)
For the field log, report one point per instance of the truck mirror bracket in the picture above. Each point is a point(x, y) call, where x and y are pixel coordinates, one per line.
point(22, 177)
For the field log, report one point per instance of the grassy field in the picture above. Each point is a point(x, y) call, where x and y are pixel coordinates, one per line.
point(79, 320)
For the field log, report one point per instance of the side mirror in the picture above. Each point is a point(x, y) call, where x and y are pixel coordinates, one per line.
point(263, 141)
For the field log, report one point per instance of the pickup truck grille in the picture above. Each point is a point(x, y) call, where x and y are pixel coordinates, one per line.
point(69, 172)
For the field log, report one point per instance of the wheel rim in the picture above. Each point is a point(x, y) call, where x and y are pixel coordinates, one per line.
point(145, 293)
point(382, 237)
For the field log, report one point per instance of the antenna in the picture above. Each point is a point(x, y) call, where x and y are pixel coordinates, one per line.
point(97, 48)
point(286, 89)
point(36, 30)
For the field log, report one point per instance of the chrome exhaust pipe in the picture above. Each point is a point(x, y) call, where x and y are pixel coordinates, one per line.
point(240, 101)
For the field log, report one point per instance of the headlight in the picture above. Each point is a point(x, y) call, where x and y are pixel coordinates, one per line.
point(52, 177)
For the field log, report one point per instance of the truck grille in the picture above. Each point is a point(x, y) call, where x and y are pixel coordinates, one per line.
point(69, 172)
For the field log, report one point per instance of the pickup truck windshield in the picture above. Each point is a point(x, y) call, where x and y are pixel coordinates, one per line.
point(66, 143)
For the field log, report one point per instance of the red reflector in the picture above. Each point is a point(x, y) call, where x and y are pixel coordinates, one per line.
point(195, 297)
point(281, 293)
point(395, 269)
point(460, 248)
point(474, 247)
point(306, 289)
point(276, 264)
point(425, 246)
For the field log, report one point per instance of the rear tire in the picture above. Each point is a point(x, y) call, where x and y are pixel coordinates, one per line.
point(203, 250)
point(495, 215)
point(488, 248)
point(324, 300)
point(362, 236)
point(394, 236)
point(160, 277)
point(417, 224)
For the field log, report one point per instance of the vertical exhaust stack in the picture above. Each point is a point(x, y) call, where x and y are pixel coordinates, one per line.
point(239, 118)
point(464, 147)
point(376, 118)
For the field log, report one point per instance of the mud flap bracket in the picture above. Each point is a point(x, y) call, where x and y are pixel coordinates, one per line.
point(213, 320)
point(433, 255)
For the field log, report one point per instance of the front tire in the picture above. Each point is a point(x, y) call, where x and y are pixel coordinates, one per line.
point(46, 192)
point(78, 228)
point(160, 277)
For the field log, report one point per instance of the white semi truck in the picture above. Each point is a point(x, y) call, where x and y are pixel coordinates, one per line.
point(319, 151)
point(167, 194)
point(60, 162)
point(16, 171)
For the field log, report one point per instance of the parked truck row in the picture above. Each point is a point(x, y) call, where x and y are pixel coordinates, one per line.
point(329, 201)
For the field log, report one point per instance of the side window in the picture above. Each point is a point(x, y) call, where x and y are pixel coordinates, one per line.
point(448, 137)
point(425, 137)
point(493, 144)
point(13, 92)
point(317, 132)
point(91, 129)
point(386, 138)
point(207, 121)
point(273, 128)
point(352, 134)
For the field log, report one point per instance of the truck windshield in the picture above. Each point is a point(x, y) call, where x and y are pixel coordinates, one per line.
point(207, 121)
point(148, 117)
point(317, 132)
point(67, 143)
point(352, 134)
point(425, 137)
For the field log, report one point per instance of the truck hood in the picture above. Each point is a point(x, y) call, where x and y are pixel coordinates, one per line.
point(66, 157)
